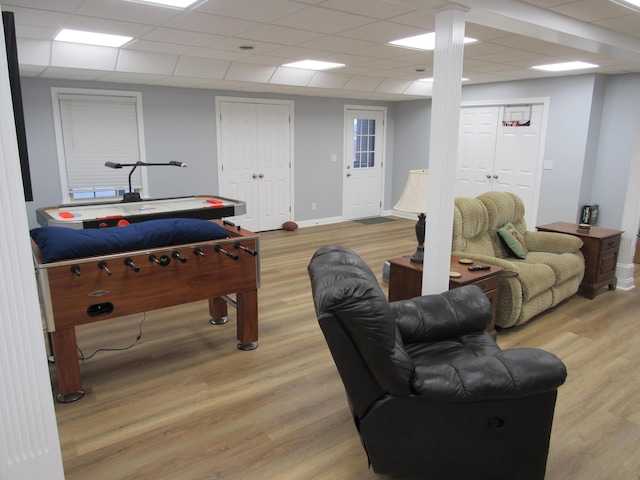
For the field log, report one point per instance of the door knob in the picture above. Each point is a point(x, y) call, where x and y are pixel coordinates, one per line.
point(495, 175)
point(261, 175)
point(488, 175)
point(348, 174)
point(254, 176)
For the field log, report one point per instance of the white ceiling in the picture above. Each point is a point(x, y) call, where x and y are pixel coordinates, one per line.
point(200, 47)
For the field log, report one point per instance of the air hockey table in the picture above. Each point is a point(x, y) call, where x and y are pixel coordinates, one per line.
point(109, 214)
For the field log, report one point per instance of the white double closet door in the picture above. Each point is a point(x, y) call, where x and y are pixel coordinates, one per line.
point(497, 152)
point(254, 160)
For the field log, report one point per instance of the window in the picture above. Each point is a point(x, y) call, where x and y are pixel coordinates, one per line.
point(364, 136)
point(94, 127)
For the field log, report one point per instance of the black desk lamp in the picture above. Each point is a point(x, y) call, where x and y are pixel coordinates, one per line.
point(132, 196)
point(414, 200)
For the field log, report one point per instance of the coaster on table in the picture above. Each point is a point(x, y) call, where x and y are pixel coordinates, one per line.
point(455, 274)
point(465, 261)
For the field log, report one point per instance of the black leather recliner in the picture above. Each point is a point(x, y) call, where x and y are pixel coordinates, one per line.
point(431, 394)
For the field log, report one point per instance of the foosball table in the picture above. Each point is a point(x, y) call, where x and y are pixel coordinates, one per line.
point(96, 288)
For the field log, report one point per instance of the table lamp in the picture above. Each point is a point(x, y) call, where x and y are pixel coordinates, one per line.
point(414, 200)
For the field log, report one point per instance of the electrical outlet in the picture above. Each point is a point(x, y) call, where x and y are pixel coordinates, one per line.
point(548, 165)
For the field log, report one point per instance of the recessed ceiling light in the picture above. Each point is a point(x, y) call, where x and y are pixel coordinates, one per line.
point(92, 38)
point(426, 41)
point(631, 4)
point(313, 65)
point(564, 67)
point(167, 3)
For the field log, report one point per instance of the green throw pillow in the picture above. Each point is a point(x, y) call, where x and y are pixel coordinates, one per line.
point(514, 240)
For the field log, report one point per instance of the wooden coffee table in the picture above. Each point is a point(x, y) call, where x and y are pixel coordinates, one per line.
point(405, 281)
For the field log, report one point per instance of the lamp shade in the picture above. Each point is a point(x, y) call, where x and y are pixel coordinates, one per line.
point(414, 196)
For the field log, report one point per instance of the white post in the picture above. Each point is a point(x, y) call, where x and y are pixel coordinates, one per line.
point(630, 222)
point(443, 151)
point(29, 443)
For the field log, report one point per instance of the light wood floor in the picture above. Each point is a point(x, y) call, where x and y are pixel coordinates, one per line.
point(184, 403)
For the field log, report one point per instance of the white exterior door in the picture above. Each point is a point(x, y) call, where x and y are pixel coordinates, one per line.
point(501, 148)
point(255, 161)
point(364, 135)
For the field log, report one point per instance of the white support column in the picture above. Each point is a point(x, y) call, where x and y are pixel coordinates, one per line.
point(630, 223)
point(443, 151)
point(29, 444)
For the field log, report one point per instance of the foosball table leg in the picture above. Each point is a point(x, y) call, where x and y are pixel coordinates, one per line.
point(65, 351)
point(247, 303)
point(218, 311)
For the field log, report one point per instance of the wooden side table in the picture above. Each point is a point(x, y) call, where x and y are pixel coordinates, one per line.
point(405, 281)
point(600, 249)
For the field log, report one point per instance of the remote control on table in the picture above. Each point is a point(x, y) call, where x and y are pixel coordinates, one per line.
point(473, 268)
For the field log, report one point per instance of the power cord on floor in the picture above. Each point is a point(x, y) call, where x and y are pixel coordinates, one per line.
point(82, 357)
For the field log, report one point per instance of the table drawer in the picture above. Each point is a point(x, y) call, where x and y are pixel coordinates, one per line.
point(487, 284)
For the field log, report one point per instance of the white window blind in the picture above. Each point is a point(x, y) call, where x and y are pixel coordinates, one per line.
point(96, 129)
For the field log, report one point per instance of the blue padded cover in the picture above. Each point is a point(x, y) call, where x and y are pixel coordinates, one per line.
point(60, 243)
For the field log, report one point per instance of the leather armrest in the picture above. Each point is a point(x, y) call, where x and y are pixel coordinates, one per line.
point(507, 374)
point(450, 314)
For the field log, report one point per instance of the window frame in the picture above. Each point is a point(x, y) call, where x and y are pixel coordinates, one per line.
point(62, 161)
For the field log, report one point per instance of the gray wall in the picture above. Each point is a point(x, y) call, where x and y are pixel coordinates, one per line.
point(180, 124)
point(593, 124)
point(570, 115)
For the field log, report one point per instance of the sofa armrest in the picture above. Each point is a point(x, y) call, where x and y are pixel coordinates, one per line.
point(507, 374)
point(552, 242)
point(434, 317)
point(509, 269)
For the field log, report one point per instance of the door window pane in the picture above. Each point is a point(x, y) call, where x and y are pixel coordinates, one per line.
point(364, 131)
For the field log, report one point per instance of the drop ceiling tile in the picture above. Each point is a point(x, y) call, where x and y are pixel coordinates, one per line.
point(181, 82)
point(57, 5)
point(379, 9)
point(628, 23)
point(34, 52)
point(292, 76)
point(27, 32)
point(279, 35)
point(84, 57)
point(146, 62)
point(382, 32)
point(181, 37)
point(363, 83)
point(127, 11)
point(78, 73)
point(323, 20)
point(425, 20)
point(591, 10)
point(32, 70)
point(130, 77)
point(419, 88)
point(200, 67)
point(38, 18)
point(215, 54)
point(256, 10)
point(329, 80)
point(389, 85)
point(334, 43)
point(212, 24)
point(247, 72)
point(158, 47)
point(100, 25)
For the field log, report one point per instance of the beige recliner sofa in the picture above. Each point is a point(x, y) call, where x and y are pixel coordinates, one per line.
point(551, 271)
